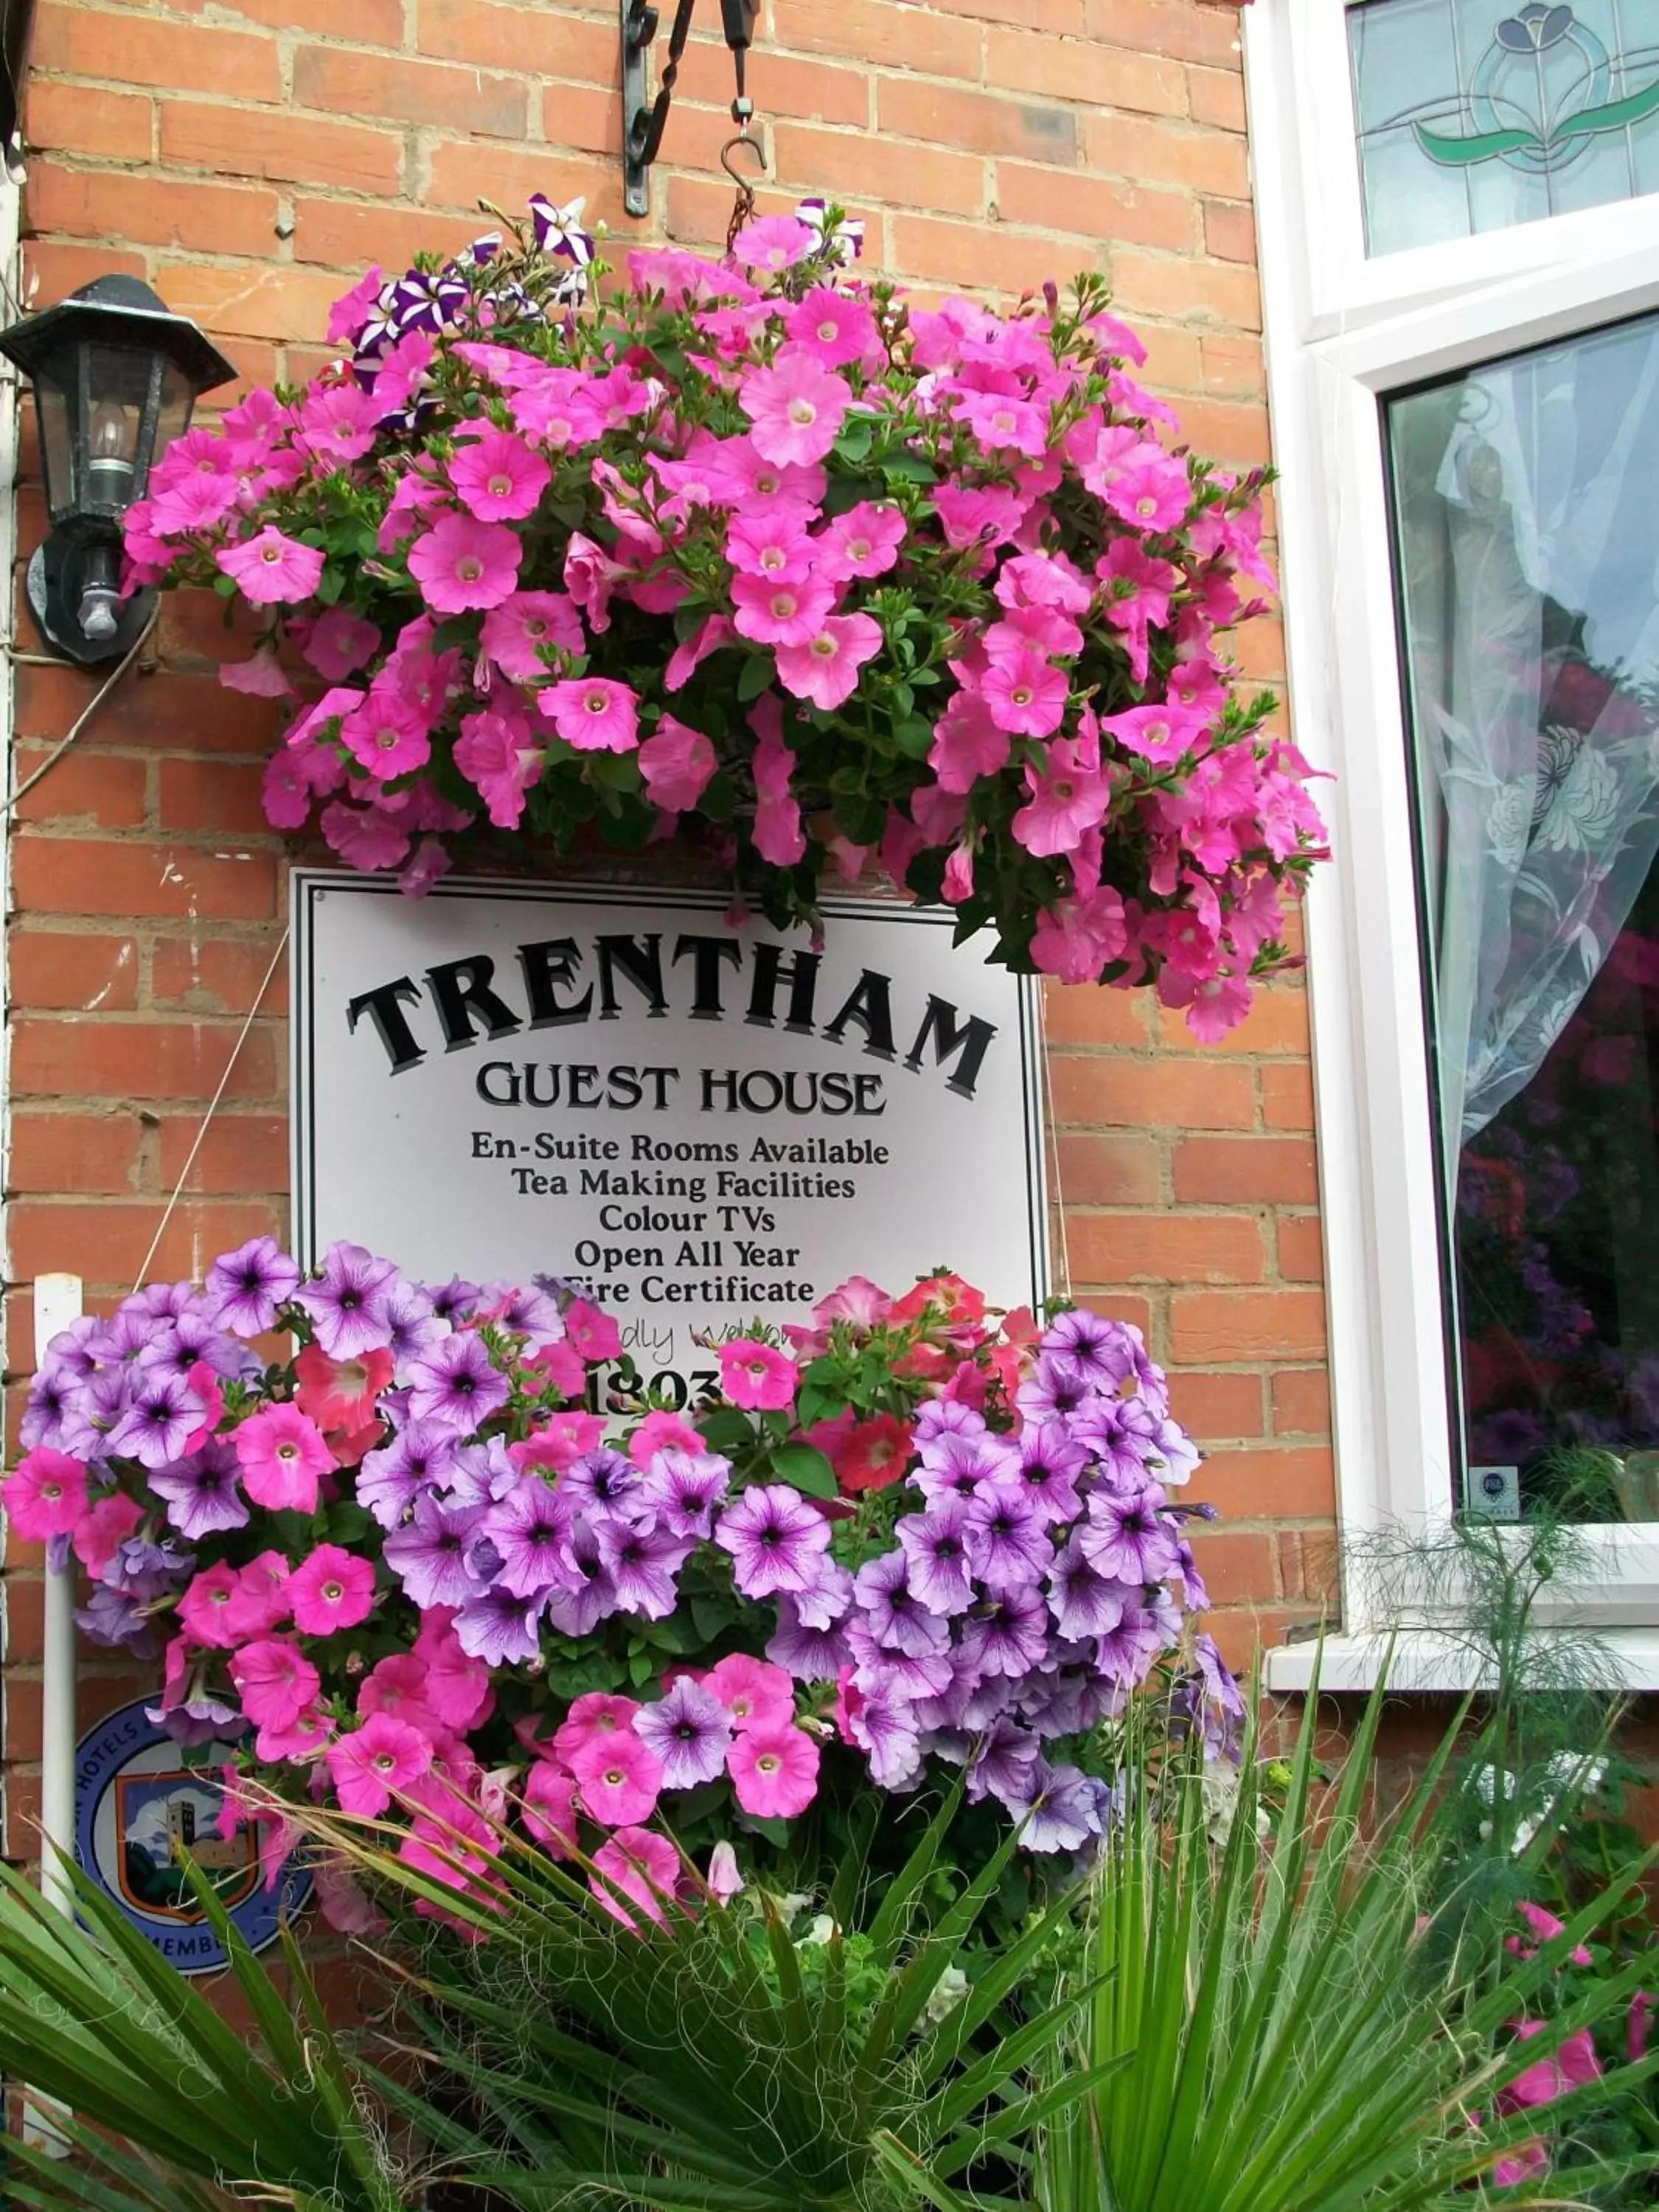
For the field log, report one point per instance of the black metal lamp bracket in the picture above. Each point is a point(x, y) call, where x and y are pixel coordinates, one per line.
point(645, 120)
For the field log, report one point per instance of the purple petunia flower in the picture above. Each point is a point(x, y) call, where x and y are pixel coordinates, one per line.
point(412, 1327)
point(1176, 1457)
point(1122, 1434)
point(1123, 1538)
point(201, 1491)
point(92, 1416)
point(1124, 1653)
point(419, 1458)
point(458, 1384)
point(1006, 1547)
point(1218, 1676)
point(1011, 1637)
point(531, 1528)
point(162, 1414)
point(191, 1338)
point(1003, 1764)
point(348, 1302)
point(579, 1611)
point(499, 1628)
point(51, 1395)
point(1089, 1347)
point(689, 1730)
point(454, 1300)
point(430, 1554)
point(1050, 1460)
point(946, 1417)
point(529, 1313)
point(424, 299)
point(883, 1726)
point(197, 1720)
point(683, 1489)
point(911, 1675)
point(642, 1563)
point(811, 1654)
point(775, 1539)
point(955, 1463)
point(828, 1599)
point(1064, 1809)
point(480, 1474)
point(892, 1613)
point(146, 1571)
point(936, 1548)
point(116, 1621)
point(1083, 1603)
point(70, 1350)
point(245, 1288)
point(604, 1481)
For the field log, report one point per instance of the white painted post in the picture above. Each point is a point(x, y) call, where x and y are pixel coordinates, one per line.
point(57, 1303)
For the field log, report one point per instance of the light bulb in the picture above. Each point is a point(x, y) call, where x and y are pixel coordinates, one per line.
point(107, 433)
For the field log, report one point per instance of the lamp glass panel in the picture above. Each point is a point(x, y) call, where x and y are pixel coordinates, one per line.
point(57, 447)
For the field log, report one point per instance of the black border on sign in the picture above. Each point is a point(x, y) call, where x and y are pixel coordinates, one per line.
point(305, 884)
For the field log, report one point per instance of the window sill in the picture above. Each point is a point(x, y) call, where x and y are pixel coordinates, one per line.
point(1428, 1659)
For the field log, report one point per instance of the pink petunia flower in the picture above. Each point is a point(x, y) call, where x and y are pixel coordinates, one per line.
point(661, 1432)
point(498, 478)
point(774, 242)
point(863, 542)
point(1077, 938)
point(643, 1866)
point(46, 1496)
point(498, 750)
point(593, 712)
point(518, 634)
point(349, 316)
point(387, 735)
point(260, 676)
point(684, 661)
point(282, 1456)
point(756, 1694)
point(275, 1682)
point(595, 1717)
point(204, 1610)
point(757, 1376)
point(775, 544)
point(591, 1333)
point(100, 1533)
point(780, 610)
point(1024, 693)
point(461, 564)
point(549, 1808)
point(834, 328)
point(795, 408)
point(341, 1393)
point(825, 669)
point(338, 641)
point(382, 1757)
point(271, 569)
point(1063, 803)
point(332, 1589)
point(1159, 734)
point(363, 836)
point(259, 1601)
point(337, 422)
point(778, 835)
point(618, 1778)
point(677, 763)
point(966, 743)
point(774, 1771)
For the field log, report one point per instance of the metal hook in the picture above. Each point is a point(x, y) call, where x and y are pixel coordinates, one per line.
point(743, 206)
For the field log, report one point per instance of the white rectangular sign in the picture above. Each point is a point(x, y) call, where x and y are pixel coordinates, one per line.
point(700, 1121)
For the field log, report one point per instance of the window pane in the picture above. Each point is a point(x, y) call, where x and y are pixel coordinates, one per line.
point(1475, 115)
point(1526, 498)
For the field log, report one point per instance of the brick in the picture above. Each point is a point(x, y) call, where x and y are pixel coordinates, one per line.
point(26, 1610)
point(217, 976)
point(1244, 1325)
point(858, 169)
point(65, 875)
point(102, 789)
point(1216, 96)
point(239, 1152)
point(1186, 291)
point(118, 126)
point(808, 91)
point(1119, 1171)
point(1166, 1248)
point(1083, 70)
point(1167, 26)
point(1229, 231)
point(699, 210)
point(138, 1059)
point(373, 22)
point(881, 36)
point(1288, 1100)
point(1242, 1635)
point(1246, 1170)
point(1063, 17)
point(59, 1152)
point(1294, 1484)
point(1232, 366)
point(1106, 1090)
point(969, 254)
point(532, 40)
point(1210, 1405)
point(52, 270)
point(1087, 1013)
point(1137, 147)
point(455, 176)
point(198, 625)
point(1088, 207)
point(260, 302)
point(196, 218)
point(1302, 1401)
point(78, 40)
point(975, 121)
point(345, 235)
point(108, 1242)
point(172, 713)
point(1277, 1023)
point(1237, 1565)
point(86, 975)
point(1301, 1248)
point(342, 82)
point(291, 148)
point(211, 795)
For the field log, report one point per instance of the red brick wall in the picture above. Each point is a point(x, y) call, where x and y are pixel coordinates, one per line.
point(249, 160)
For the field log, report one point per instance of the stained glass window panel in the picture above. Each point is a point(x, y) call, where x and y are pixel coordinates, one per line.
point(1474, 115)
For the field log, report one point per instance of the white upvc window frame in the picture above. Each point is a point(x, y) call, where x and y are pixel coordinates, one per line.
point(1342, 332)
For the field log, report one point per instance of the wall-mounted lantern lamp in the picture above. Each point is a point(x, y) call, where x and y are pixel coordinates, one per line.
point(115, 377)
point(643, 122)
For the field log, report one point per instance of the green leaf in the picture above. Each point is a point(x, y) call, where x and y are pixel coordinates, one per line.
point(857, 434)
point(909, 468)
point(807, 1468)
point(914, 737)
point(330, 585)
point(726, 1430)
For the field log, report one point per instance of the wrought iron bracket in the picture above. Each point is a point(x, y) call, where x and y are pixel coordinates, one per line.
point(644, 120)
